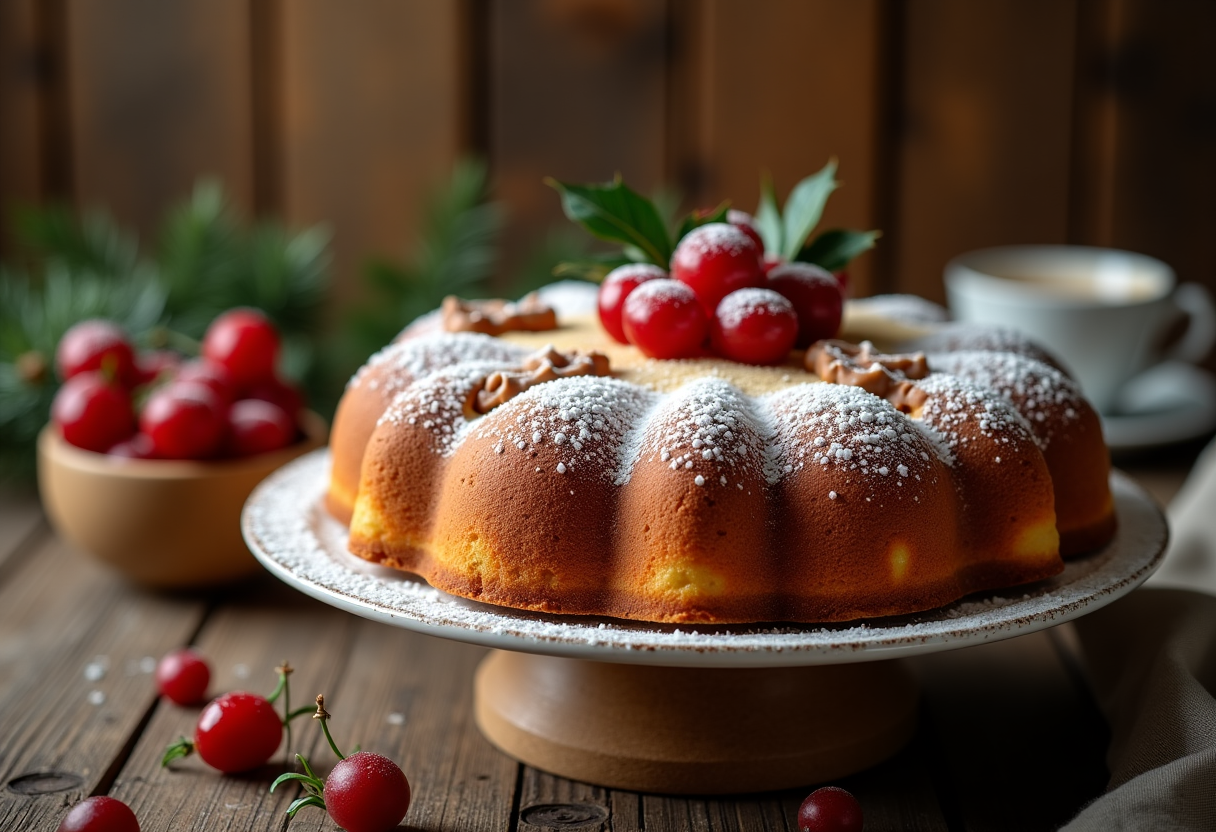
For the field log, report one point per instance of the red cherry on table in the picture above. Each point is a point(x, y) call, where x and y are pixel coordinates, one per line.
point(96, 345)
point(830, 809)
point(245, 343)
point(184, 420)
point(182, 676)
point(816, 297)
point(715, 260)
point(616, 287)
point(100, 814)
point(93, 412)
point(256, 426)
point(754, 326)
point(237, 732)
point(664, 319)
point(746, 223)
point(366, 792)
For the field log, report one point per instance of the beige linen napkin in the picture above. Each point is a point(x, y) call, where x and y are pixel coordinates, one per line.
point(1152, 665)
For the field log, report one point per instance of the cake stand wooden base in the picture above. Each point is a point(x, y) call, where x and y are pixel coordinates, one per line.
point(692, 730)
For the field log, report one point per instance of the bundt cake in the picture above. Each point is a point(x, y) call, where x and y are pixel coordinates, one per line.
point(562, 472)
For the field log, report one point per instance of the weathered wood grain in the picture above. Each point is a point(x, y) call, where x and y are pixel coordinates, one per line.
point(372, 118)
point(23, 82)
point(160, 96)
point(1146, 132)
point(985, 142)
point(577, 92)
point(784, 87)
point(77, 646)
point(20, 519)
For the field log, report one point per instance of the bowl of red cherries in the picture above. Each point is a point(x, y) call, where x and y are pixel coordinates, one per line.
point(149, 456)
point(721, 297)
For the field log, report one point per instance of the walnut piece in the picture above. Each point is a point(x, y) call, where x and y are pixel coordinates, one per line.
point(545, 365)
point(860, 365)
point(494, 317)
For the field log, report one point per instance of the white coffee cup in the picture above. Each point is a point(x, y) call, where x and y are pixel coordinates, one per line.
point(1104, 313)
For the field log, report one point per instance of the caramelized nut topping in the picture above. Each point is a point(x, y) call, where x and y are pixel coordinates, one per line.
point(546, 365)
point(886, 375)
point(494, 317)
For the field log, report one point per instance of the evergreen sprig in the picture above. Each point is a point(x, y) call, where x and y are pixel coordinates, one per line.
point(457, 253)
point(84, 267)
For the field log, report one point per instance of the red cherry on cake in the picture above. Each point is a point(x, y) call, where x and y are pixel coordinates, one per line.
point(664, 319)
point(93, 412)
point(816, 297)
point(256, 426)
point(184, 420)
point(830, 809)
point(615, 288)
point(715, 260)
point(754, 326)
point(245, 343)
point(842, 278)
point(96, 345)
point(746, 223)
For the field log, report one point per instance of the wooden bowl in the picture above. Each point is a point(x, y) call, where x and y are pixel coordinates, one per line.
point(161, 523)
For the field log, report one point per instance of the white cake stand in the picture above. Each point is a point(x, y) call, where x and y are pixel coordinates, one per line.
point(702, 709)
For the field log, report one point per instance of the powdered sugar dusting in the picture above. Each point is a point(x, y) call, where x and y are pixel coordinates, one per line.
point(295, 539)
point(714, 237)
point(708, 429)
point(400, 363)
point(844, 429)
point(1044, 396)
point(957, 409)
point(588, 419)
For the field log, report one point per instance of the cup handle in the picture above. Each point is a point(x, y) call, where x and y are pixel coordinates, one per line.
point(1196, 343)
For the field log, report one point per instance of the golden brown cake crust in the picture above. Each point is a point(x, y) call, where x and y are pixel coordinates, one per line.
point(707, 491)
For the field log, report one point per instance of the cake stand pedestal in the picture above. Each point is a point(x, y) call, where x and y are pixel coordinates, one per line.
point(682, 730)
point(655, 708)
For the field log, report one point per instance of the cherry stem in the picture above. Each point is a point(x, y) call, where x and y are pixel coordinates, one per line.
point(182, 748)
point(284, 687)
point(323, 715)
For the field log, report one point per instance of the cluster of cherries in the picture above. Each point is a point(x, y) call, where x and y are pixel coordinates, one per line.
point(723, 292)
point(240, 731)
point(229, 402)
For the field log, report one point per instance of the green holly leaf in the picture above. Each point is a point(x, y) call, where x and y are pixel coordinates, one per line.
point(835, 248)
point(702, 217)
point(618, 214)
point(768, 218)
point(804, 208)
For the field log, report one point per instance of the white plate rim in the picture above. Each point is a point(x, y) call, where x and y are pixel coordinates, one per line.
point(289, 532)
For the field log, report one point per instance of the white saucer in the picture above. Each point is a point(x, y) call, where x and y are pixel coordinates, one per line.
point(1170, 403)
point(292, 535)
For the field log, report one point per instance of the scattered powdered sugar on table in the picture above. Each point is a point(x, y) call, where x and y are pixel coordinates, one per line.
point(293, 537)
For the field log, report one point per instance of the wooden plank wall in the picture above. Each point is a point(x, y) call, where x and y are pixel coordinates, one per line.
point(956, 124)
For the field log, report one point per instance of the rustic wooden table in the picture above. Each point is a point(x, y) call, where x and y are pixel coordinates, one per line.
point(1009, 737)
